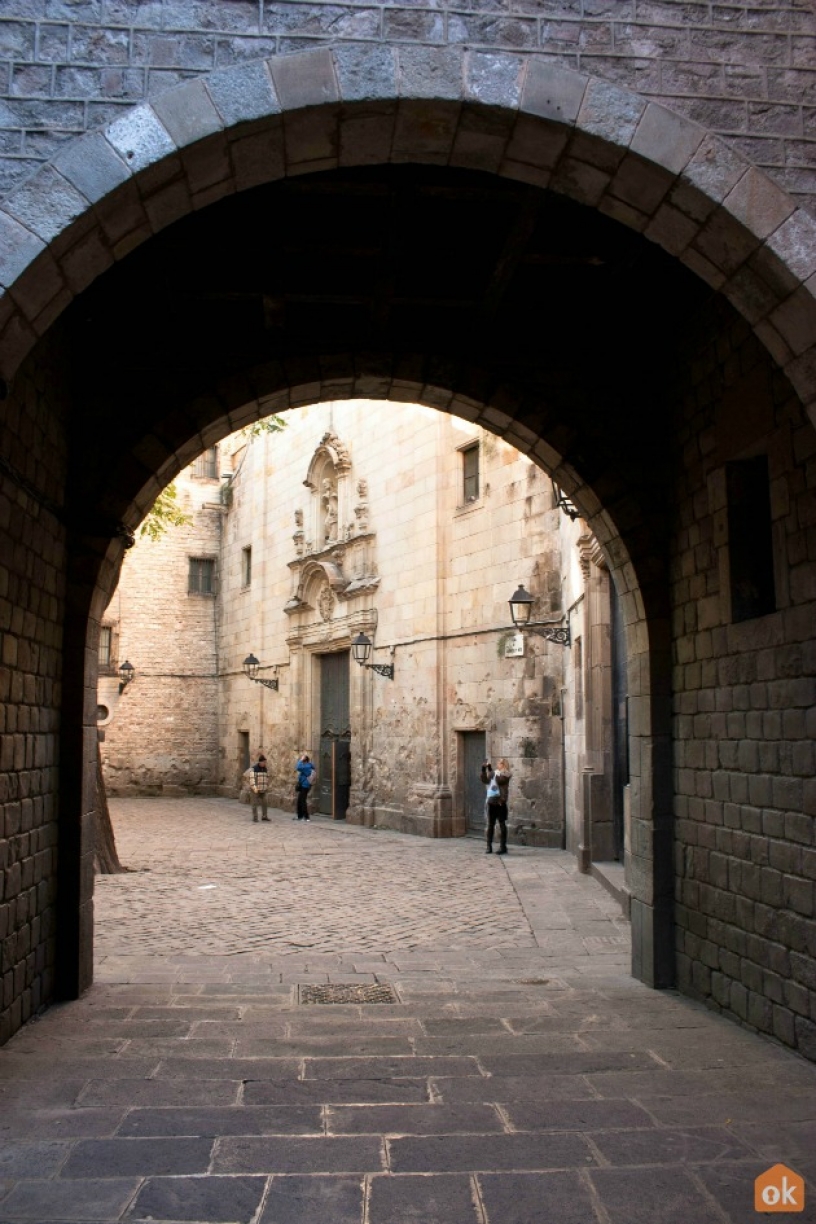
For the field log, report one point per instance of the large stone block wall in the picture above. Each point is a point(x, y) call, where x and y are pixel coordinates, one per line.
point(32, 591)
point(161, 736)
point(746, 72)
point(745, 708)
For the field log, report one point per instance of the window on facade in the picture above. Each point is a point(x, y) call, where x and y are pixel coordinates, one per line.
point(105, 647)
point(202, 576)
point(246, 566)
point(750, 541)
point(206, 465)
point(470, 473)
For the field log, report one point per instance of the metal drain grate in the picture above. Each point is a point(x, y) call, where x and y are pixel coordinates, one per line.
point(348, 993)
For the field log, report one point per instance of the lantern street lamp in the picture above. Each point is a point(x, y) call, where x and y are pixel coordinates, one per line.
point(126, 673)
point(251, 666)
point(361, 647)
point(521, 607)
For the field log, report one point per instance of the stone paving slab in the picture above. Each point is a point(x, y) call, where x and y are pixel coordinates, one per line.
point(521, 1080)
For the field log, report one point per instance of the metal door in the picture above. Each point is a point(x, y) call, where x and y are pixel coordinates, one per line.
point(473, 754)
point(333, 772)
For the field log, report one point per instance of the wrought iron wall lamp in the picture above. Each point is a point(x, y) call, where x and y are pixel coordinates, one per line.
point(361, 647)
point(251, 666)
point(126, 673)
point(562, 502)
point(521, 607)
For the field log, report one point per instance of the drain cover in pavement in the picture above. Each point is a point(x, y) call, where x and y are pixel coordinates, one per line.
point(340, 993)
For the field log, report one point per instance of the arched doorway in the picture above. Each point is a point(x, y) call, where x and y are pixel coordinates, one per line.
point(597, 378)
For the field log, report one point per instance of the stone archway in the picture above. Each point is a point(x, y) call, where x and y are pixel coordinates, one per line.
point(532, 123)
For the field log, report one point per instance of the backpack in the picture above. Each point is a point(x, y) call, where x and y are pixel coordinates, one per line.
point(258, 781)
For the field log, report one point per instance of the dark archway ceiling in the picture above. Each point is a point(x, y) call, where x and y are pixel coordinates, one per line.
point(496, 284)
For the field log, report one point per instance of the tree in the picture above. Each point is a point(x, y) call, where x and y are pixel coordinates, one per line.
point(164, 513)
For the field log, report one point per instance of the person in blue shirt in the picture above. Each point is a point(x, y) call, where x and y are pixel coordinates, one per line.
point(305, 777)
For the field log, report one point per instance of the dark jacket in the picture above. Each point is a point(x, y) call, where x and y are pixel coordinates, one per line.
point(502, 780)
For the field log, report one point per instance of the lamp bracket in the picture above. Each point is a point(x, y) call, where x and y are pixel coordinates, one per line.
point(270, 684)
point(382, 669)
point(553, 633)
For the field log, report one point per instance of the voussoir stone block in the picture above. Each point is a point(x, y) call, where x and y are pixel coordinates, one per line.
point(665, 138)
point(187, 112)
point(92, 165)
point(794, 242)
point(610, 112)
point(758, 203)
point(553, 92)
point(18, 248)
point(47, 204)
point(493, 78)
point(425, 129)
point(795, 319)
point(366, 73)
point(536, 144)
point(243, 94)
point(305, 79)
point(140, 138)
point(430, 72)
point(715, 168)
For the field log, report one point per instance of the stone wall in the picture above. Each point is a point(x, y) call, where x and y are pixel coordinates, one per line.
point(745, 72)
point(32, 591)
point(745, 707)
point(161, 732)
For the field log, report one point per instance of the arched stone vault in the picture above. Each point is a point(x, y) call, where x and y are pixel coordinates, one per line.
point(76, 240)
point(522, 118)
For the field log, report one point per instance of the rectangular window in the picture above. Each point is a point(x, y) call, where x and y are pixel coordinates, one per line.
point(246, 566)
point(202, 576)
point(750, 540)
point(206, 465)
point(470, 473)
point(105, 647)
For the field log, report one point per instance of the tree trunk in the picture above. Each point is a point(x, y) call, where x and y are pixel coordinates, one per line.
point(106, 859)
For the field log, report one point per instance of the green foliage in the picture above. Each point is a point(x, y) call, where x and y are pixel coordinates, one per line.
point(270, 424)
point(165, 513)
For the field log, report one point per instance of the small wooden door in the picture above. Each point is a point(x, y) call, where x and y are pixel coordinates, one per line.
point(473, 755)
point(243, 754)
point(333, 767)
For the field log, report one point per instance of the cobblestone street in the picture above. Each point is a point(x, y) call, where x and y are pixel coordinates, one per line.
point(521, 1076)
point(287, 886)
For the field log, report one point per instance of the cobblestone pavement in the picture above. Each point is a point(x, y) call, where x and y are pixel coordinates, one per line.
point(520, 1077)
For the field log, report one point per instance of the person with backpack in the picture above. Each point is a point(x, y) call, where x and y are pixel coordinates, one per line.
point(306, 775)
point(258, 778)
